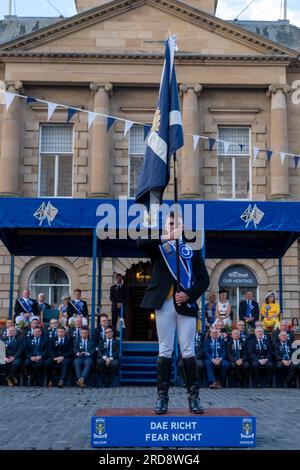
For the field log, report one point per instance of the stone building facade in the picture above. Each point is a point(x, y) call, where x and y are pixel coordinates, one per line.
point(234, 84)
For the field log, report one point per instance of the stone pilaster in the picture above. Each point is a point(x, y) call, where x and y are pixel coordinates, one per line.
point(190, 162)
point(279, 141)
point(11, 144)
point(100, 162)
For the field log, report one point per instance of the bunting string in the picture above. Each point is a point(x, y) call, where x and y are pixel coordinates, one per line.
point(92, 116)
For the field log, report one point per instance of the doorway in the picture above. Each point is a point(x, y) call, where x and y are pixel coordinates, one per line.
point(237, 280)
point(140, 323)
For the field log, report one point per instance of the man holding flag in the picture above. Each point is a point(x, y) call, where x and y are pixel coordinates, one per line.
point(179, 276)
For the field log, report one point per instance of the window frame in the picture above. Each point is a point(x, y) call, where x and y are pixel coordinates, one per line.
point(51, 285)
point(129, 160)
point(56, 156)
point(233, 165)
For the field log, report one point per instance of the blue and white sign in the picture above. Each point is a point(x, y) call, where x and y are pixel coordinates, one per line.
point(173, 431)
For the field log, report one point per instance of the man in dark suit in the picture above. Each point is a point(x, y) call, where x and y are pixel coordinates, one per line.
point(36, 351)
point(237, 353)
point(29, 331)
point(108, 357)
point(84, 350)
point(26, 306)
point(77, 306)
point(13, 356)
point(215, 358)
point(119, 296)
point(51, 332)
point(74, 333)
point(99, 333)
point(249, 309)
point(60, 355)
point(284, 326)
point(260, 353)
point(42, 304)
point(283, 356)
point(175, 310)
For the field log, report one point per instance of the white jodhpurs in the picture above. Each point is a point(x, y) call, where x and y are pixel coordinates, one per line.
point(167, 322)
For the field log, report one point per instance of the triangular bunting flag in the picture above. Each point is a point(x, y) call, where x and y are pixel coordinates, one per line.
point(30, 100)
point(242, 147)
point(296, 159)
point(9, 97)
point(196, 139)
point(269, 154)
point(255, 152)
point(226, 147)
point(282, 157)
point(110, 122)
point(91, 118)
point(71, 112)
point(211, 143)
point(146, 131)
point(128, 126)
point(51, 109)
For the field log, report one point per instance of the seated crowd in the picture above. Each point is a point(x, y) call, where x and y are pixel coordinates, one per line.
point(54, 350)
point(248, 348)
point(241, 354)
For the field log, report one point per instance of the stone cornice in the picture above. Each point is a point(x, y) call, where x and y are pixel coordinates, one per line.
point(175, 7)
point(130, 57)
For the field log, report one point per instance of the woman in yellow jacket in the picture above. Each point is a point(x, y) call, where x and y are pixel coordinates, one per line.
point(270, 312)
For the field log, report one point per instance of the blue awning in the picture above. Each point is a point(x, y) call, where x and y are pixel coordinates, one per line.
point(64, 227)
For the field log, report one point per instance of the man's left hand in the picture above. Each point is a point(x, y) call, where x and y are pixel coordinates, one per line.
point(181, 297)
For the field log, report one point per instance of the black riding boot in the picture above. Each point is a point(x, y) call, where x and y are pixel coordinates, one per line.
point(163, 382)
point(192, 384)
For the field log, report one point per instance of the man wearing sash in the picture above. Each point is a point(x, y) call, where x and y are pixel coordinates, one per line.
point(25, 306)
point(77, 306)
point(175, 311)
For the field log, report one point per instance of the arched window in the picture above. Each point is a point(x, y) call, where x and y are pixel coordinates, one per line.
point(50, 280)
point(237, 280)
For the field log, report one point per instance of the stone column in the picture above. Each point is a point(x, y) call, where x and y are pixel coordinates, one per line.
point(11, 145)
point(279, 142)
point(100, 161)
point(190, 161)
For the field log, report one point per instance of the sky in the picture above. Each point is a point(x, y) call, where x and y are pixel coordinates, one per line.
point(227, 9)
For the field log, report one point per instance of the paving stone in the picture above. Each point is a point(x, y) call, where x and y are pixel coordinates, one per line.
point(39, 418)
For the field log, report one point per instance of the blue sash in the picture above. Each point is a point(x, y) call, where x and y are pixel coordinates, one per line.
point(168, 251)
point(249, 310)
point(78, 305)
point(26, 306)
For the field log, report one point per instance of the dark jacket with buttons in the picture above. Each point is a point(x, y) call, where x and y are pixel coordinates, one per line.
point(162, 280)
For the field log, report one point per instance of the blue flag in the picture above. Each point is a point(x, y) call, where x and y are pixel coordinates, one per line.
point(166, 135)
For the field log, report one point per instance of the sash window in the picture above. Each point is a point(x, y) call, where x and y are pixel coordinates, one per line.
point(137, 148)
point(234, 165)
point(56, 160)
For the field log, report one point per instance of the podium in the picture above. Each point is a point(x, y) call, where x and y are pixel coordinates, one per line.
point(141, 427)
